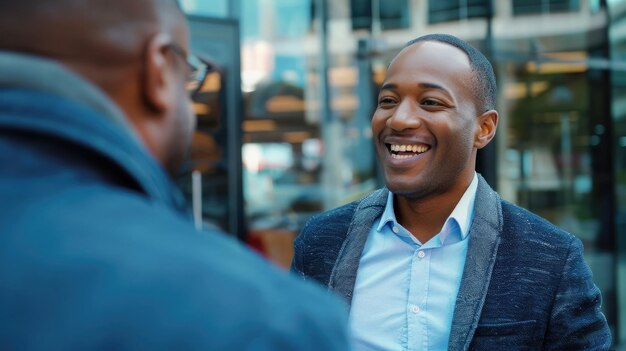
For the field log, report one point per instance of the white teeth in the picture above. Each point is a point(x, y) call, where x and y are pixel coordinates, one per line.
point(400, 156)
point(409, 148)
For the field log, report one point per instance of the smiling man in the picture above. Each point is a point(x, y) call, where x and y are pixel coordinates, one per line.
point(437, 260)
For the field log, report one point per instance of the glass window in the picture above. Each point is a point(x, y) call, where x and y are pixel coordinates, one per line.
point(361, 13)
point(206, 163)
point(300, 156)
point(295, 18)
point(394, 14)
point(454, 10)
point(526, 7)
point(522, 7)
point(554, 143)
point(214, 8)
point(563, 5)
point(618, 108)
point(211, 176)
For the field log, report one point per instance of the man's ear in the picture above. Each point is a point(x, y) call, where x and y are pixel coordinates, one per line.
point(156, 84)
point(487, 125)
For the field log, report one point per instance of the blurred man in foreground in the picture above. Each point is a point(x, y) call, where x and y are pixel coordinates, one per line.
point(96, 251)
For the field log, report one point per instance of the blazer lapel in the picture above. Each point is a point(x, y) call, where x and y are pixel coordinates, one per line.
point(343, 275)
point(484, 237)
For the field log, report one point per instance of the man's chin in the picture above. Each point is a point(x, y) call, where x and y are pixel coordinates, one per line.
point(179, 163)
point(413, 190)
point(403, 184)
point(401, 189)
point(179, 166)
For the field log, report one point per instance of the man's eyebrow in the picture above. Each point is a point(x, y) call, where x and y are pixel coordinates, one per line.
point(433, 86)
point(388, 86)
point(393, 86)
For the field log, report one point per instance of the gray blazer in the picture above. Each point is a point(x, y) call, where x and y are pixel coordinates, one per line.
point(525, 284)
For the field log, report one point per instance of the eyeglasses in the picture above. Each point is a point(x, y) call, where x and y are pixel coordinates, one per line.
point(199, 69)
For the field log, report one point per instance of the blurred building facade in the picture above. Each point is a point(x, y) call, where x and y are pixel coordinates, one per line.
point(285, 132)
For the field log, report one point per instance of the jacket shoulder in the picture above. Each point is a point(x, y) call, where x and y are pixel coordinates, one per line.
point(541, 283)
point(529, 264)
point(318, 244)
point(330, 223)
point(141, 260)
point(336, 222)
point(317, 247)
point(522, 224)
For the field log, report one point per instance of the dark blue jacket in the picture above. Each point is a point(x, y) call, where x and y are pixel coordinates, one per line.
point(525, 285)
point(96, 251)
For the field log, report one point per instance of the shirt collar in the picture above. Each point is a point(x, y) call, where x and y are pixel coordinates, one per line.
point(464, 210)
point(388, 214)
point(462, 214)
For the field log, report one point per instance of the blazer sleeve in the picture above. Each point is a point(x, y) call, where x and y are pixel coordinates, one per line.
point(576, 320)
point(296, 263)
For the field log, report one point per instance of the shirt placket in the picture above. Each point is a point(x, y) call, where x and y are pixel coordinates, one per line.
point(417, 322)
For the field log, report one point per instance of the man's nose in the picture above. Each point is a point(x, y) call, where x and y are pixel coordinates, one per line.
point(405, 116)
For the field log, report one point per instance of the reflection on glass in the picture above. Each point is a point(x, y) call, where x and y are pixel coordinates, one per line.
point(454, 10)
point(213, 8)
point(527, 7)
point(281, 161)
point(296, 161)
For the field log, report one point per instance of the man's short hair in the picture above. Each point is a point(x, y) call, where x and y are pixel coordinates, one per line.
point(484, 85)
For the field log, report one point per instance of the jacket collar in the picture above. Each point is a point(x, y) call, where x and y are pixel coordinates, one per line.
point(484, 237)
point(72, 109)
point(343, 275)
point(18, 70)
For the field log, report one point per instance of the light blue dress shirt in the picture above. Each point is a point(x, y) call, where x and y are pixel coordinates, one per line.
point(405, 291)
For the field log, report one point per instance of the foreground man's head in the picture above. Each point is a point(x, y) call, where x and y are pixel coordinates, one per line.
point(135, 51)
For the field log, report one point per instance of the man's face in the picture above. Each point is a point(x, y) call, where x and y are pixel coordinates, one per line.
point(183, 120)
point(425, 121)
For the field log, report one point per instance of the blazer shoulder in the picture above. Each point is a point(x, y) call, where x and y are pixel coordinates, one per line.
point(526, 225)
point(544, 266)
point(318, 245)
point(333, 223)
point(336, 222)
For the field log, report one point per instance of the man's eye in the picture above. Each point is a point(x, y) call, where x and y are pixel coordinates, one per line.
point(431, 102)
point(385, 101)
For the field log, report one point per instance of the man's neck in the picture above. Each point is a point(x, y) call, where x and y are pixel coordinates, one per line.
point(425, 217)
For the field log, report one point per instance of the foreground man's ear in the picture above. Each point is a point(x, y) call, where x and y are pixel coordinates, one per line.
point(157, 81)
point(487, 125)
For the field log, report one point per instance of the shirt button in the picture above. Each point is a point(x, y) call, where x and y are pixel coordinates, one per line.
point(421, 254)
point(395, 229)
point(415, 309)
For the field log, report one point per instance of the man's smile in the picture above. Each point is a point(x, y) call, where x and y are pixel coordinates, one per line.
point(403, 151)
